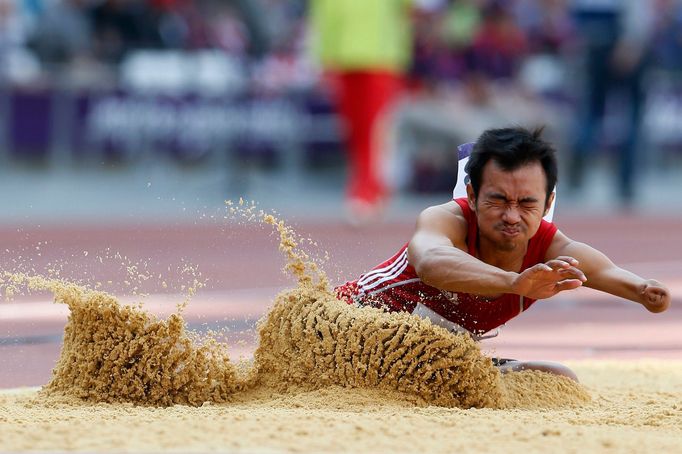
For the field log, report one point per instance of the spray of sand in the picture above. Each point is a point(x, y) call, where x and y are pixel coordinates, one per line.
point(116, 353)
point(309, 340)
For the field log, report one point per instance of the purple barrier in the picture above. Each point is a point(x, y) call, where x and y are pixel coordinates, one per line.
point(93, 125)
point(126, 125)
point(30, 124)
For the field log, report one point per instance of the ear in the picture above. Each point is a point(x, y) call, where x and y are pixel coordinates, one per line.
point(550, 201)
point(471, 197)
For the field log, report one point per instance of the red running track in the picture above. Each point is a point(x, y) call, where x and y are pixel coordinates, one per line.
point(243, 269)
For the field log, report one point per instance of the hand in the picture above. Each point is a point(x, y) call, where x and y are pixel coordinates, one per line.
point(547, 279)
point(654, 296)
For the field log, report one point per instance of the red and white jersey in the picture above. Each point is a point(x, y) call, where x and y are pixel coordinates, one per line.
point(395, 286)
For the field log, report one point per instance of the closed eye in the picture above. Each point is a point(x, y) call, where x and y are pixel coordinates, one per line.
point(529, 202)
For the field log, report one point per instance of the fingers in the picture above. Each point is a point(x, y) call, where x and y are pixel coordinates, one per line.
point(562, 262)
point(542, 267)
point(564, 265)
point(573, 273)
point(568, 259)
point(568, 284)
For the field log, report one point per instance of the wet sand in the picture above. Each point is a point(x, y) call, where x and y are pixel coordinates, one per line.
point(636, 407)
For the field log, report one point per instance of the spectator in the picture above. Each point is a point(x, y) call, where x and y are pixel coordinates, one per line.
point(366, 46)
point(500, 45)
point(547, 24)
point(668, 34)
point(616, 36)
point(121, 25)
point(62, 33)
point(17, 63)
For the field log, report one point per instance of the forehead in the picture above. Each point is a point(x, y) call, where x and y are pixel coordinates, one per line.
point(524, 181)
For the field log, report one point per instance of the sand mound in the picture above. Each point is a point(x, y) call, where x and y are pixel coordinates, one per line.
point(536, 390)
point(313, 340)
point(114, 353)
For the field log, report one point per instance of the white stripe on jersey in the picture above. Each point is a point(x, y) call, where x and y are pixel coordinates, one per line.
point(379, 272)
point(395, 284)
point(387, 277)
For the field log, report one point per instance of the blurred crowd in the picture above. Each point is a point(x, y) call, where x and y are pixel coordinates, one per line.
point(42, 39)
point(472, 63)
point(452, 38)
point(496, 37)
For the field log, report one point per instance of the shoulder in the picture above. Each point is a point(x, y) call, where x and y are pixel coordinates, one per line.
point(446, 219)
point(449, 211)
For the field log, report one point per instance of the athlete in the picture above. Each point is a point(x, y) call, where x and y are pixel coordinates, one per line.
point(478, 261)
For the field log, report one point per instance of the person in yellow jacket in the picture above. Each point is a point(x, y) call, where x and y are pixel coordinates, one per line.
point(365, 46)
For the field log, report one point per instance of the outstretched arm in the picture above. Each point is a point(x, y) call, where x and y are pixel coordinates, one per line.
point(603, 275)
point(438, 252)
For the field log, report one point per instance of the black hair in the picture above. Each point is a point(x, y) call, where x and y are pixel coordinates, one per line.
point(512, 148)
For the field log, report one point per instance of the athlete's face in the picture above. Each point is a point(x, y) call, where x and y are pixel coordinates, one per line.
point(510, 204)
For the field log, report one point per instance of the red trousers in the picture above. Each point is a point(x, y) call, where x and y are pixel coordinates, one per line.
point(364, 97)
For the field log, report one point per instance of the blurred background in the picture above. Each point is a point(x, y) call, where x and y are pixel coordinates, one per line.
point(126, 124)
point(121, 103)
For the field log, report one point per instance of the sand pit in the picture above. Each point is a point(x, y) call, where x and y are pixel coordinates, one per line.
point(325, 377)
point(636, 407)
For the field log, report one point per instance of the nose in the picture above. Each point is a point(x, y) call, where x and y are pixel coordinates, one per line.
point(511, 215)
